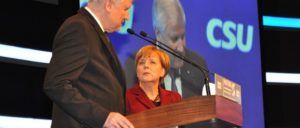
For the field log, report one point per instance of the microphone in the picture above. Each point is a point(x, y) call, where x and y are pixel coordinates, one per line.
point(144, 36)
point(130, 31)
point(153, 41)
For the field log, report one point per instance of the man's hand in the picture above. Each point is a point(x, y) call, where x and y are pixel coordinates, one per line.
point(116, 120)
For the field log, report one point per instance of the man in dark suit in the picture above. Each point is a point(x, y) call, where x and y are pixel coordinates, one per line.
point(169, 25)
point(84, 78)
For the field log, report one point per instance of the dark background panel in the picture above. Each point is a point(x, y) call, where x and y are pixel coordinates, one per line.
point(281, 105)
point(280, 51)
point(21, 92)
point(286, 8)
point(30, 24)
point(33, 24)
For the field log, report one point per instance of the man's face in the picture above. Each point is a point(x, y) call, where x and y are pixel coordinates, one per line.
point(119, 13)
point(174, 37)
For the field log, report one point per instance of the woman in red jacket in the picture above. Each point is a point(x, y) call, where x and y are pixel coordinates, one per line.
point(152, 65)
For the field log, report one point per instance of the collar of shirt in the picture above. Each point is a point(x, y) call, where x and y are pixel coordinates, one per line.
point(168, 83)
point(94, 16)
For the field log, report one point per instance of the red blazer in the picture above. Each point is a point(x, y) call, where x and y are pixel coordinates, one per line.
point(137, 100)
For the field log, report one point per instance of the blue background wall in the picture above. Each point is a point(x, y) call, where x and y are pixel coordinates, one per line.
point(229, 21)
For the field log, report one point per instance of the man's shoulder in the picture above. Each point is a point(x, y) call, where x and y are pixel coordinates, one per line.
point(82, 16)
point(130, 61)
point(175, 96)
point(131, 56)
point(168, 92)
point(76, 17)
point(135, 89)
point(192, 54)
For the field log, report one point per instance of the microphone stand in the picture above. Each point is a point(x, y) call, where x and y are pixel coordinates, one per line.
point(173, 52)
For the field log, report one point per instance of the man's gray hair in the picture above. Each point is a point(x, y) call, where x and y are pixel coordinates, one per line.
point(166, 11)
point(117, 1)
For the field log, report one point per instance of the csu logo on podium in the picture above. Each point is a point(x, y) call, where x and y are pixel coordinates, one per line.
point(233, 35)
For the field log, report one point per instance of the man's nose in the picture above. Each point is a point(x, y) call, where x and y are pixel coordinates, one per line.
point(180, 45)
point(126, 17)
point(179, 48)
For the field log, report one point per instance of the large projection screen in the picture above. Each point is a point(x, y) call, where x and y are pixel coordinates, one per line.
point(224, 33)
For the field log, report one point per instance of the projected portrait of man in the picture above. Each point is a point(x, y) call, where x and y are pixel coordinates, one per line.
point(168, 20)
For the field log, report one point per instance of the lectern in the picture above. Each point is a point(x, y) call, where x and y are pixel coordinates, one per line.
point(213, 111)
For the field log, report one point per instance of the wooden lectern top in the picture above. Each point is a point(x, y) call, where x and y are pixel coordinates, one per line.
point(187, 111)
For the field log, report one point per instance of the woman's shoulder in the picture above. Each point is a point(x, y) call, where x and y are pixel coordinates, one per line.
point(174, 95)
point(133, 90)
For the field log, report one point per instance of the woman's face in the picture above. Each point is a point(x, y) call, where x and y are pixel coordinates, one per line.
point(149, 69)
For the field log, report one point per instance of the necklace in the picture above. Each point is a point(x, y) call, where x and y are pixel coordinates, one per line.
point(157, 98)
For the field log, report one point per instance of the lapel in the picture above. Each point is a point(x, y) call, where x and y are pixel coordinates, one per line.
point(113, 59)
point(164, 96)
point(142, 97)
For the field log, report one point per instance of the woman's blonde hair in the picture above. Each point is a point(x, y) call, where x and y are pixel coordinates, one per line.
point(148, 50)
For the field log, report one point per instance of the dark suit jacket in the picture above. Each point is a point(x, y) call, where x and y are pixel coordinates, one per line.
point(192, 79)
point(84, 79)
point(137, 100)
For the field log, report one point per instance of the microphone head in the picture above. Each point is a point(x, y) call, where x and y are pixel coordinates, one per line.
point(144, 34)
point(130, 31)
